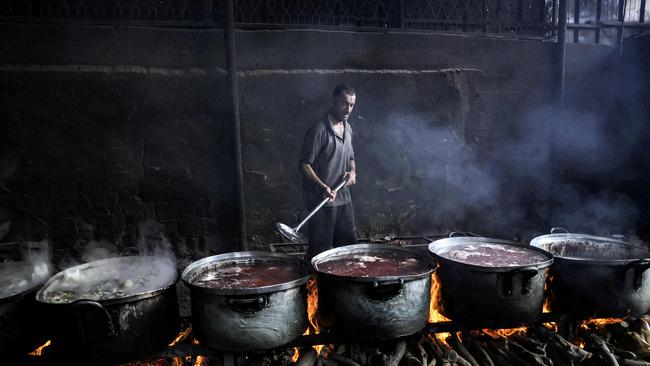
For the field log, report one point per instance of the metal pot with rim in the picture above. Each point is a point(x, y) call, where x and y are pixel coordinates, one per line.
point(24, 267)
point(373, 291)
point(248, 301)
point(492, 283)
point(112, 310)
point(595, 276)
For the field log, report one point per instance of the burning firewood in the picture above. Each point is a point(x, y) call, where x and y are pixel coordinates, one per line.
point(457, 344)
point(561, 345)
point(598, 346)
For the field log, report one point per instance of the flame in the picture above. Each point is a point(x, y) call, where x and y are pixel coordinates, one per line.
point(181, 336)
point(435, 308)
point(546, 308)
point(180, 361)
point(39, 350)
point(552, 326)
point(312, 306)
point(505, 333)
point(598, 323)
point(200, 360)
point(295, 356)
point(312, 313)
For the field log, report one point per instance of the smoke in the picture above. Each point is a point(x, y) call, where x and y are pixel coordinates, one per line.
point(559, 168)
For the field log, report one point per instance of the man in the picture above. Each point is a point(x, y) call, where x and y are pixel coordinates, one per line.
point(326, 158)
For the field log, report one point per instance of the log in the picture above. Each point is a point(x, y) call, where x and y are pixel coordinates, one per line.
point(562, 345)
point(398, 353)
point(424, 357)
point(307, 357)
point(498, 358)
point(502, 349)
point(440, 354)
point(558, 357)
point(462, 362)
point(530, 357)
point(530, 344)
point(599, 347)
point(621, 353)
point(342, 360)
point(626, 362)
point(412, 360)
point(463, 352)
point(482, 356)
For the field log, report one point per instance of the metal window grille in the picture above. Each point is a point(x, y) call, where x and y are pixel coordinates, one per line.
point(593, 21)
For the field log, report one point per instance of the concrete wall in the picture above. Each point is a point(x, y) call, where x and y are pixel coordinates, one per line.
point(104, 127)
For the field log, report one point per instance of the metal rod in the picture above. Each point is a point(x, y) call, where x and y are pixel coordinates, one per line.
point(642, 12)
point(561, 51)
point(599, 9)
point(320, 205)
point(402, 15)
point(231, 66)
point(576, 20)
point(621, 18)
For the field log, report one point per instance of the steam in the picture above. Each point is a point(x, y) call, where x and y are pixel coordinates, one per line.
point(30, 270)
point(147, 265)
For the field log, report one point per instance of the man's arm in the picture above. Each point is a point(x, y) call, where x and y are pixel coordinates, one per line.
point(308, 171)
point(352, 174)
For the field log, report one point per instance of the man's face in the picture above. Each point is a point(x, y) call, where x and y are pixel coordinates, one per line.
point(343, 106)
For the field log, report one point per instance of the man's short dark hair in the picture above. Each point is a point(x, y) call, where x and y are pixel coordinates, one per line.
point(343, 88)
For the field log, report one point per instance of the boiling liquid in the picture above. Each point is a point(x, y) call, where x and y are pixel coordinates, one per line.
point(249, 274)
point(374, 265)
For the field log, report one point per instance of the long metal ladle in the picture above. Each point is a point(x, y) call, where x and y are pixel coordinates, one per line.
point(292, 233)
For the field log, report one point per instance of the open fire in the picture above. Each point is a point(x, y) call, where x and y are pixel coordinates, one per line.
point(593, 342)
point(613, 341)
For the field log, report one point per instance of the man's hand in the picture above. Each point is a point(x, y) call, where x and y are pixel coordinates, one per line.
point(352, 178)
point(329, 193)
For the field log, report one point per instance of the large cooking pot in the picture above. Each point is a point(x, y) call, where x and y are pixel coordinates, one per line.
point(372, 291)
point(24, 267)
point(112, 310)
point(246, 301)
point(489, 282)
point(596, 276)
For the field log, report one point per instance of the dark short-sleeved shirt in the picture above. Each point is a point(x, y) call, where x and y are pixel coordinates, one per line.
point(329, 157)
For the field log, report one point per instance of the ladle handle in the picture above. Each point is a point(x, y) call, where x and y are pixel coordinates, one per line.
point(322, 203)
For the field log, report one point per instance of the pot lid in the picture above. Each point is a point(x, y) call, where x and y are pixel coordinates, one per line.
point(372, 261)
point(247, 272)
point(489, 253)
point(589, 248)
point(121, 278)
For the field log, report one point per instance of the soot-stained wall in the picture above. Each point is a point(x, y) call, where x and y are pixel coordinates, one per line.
point(104, 127)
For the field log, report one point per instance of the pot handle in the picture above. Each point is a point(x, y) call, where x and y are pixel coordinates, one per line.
point(559, 230)
point(386, 290)
point(527, 275)
point(83, 306)
point(248, 305)
point(639, 266)
point(454, 234)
